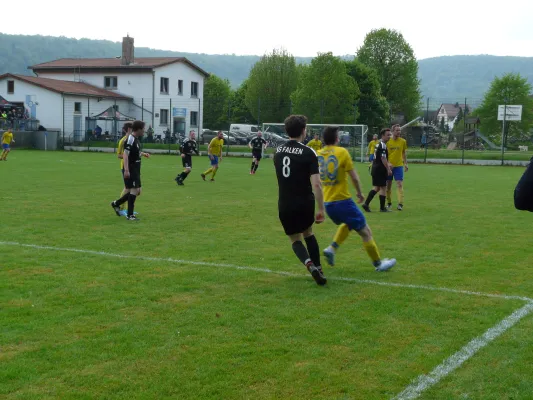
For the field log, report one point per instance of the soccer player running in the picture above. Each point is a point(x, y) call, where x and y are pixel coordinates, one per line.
point(126, 131)
point(132, 170)
point(188, 147)
point(397, 147)
point(257, 144)
point(315, 144)
point(7, 139)
point(298, 178)
point(523, 193)
point(214, 151)
point(371, 148)
point(336, 166)
point(381, 170)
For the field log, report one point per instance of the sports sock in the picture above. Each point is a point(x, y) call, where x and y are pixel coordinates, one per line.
point(123, 199)
point(400, 195)
point(131, 204)
point(252, 167)
point(122, 194)
point(214, 173)
point(370, 196)
point(340, 236)
point(301, 252)
point(372, 250)
point(184, 176)
point(389, 195)
point(382, 202)
point(313, 250)
point(256, 166)
point(208, 171)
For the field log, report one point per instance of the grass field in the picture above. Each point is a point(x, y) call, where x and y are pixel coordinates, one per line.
point(204, 299)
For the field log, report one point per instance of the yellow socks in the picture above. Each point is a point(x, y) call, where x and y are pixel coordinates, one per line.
point(400, 195)
point(371, 249)
point(341, 235)
point(214, 173)
point(389, 195)
point(208, 171)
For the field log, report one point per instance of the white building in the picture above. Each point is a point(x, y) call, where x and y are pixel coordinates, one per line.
point(166, 92)
point(60, 105)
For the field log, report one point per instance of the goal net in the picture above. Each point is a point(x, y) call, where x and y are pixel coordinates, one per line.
point(353, 137)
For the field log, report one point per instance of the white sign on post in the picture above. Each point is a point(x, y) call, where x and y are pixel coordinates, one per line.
point(512, 113)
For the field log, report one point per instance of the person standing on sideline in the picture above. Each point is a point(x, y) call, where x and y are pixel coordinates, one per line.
point(299, 186)
point(132, 170)
point(381, 170)
point(336, 166)
point(214, 151)
point(7, 139)
point(257, 144)
point(397, 147)
point(126, 131)
point(315, 144)
point(188, 147)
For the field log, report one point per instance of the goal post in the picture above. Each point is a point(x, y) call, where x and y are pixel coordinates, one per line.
point(352, 137)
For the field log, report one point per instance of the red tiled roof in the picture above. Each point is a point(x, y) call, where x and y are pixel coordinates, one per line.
point(115, 63)
point(67, 87)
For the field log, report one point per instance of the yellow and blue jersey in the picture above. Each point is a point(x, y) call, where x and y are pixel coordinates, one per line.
point(7, 138)
point(396, 148)
point(315, 145)
point(120, 150)
point(335, 163)
point(216, 146)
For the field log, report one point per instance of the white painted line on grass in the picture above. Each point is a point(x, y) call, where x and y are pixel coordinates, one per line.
point(265, 270)
point(424, 382)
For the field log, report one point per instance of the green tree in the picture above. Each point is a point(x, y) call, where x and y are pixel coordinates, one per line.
point(513, 89)
point(441, 126)
point(239, 111)
point(387, 52)
point(217, 94)
point(326, 93)
point(458, 125)
point(270, 84)
point(372, 107)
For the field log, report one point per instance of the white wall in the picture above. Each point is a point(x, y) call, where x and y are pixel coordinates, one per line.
point(49, 110)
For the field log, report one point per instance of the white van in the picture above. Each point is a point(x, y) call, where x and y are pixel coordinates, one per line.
point(249, 130)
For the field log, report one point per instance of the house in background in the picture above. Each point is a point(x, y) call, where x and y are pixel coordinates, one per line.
point(449, 113)
point(60, 105)
point(164, 92)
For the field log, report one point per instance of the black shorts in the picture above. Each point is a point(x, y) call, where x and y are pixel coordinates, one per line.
point(523, 193)
point(257, 154)
point(187, 161)
point(296, 218)
point(379, 177)
point(134, 181)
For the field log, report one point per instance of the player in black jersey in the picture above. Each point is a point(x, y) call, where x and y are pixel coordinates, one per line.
point(298, 178)
point(381, 170)
point(132, 170)
point(188, 147)
point(257, 144)
point(523, 193)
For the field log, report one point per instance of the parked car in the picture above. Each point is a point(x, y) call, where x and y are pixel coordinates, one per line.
point(207, 136)
point(249, 130)
point(241, 137)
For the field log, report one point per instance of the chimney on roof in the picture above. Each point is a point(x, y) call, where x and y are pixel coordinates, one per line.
point(128, 50)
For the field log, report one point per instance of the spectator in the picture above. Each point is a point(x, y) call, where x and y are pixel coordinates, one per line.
point(98, 131)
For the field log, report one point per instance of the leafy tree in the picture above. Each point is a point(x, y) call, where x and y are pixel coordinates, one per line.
point(326, 93)
point(514, 89)
point(458, 125)
point(217, 94)
point(387, 52)
point(270, 84)
point(239, 111)
point(441, 126)
point(372, 107)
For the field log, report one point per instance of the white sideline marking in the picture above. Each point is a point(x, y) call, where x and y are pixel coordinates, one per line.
point(424, 382)
point(266, 270)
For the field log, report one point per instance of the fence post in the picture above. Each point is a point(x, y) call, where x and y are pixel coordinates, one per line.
point(464, 133)
point(503, 126)
point(229, 124)
point(142, 109)
point(290, 107)
point(169, 125)
point(322, 111)
point(427, 132)
point(258, 110)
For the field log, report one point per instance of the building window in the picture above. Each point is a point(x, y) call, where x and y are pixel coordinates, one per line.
point(77, 107)
point(180, 88)
point(164, 85)
point(194, 118)
point(194, 89)
point(163, 117)
point(110, 82)
point(10, 87)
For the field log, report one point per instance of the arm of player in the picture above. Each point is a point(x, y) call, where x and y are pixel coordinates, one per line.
point(404, 156)
point(386, 163)
point(126, 163)
point(319, 197)
point(356, 182)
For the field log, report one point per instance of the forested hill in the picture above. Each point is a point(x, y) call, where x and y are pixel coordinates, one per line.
point(450, 78)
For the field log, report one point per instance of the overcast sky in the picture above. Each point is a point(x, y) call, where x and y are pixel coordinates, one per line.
point(244, 27)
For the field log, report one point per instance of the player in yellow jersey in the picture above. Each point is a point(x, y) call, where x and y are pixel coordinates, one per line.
point(315, 144)
point(397, 147)
point(336, 166)
point(7, 139)
point(370, 151)
point(214, 151)
point(126, 131)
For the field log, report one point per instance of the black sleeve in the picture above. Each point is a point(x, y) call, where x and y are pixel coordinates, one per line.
point(313, 163)
point(263, 141)
point(523, 193)
point(196, 149)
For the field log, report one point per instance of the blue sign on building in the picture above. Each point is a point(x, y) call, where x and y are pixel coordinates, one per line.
point(179, 112)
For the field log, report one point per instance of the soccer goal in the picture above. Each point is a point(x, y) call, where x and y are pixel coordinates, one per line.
point(352, 137)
